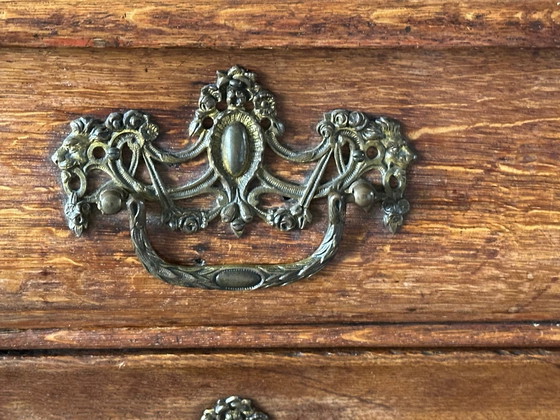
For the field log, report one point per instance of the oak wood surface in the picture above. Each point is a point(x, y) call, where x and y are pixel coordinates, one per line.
point(475, 266)
point(295, 385)
point(277, 24)
point(430, 335)
point(480, 244)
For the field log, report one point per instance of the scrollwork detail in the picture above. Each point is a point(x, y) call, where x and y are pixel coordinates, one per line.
point(236, 120)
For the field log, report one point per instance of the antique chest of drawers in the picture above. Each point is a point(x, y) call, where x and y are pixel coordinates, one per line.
point(455, 315)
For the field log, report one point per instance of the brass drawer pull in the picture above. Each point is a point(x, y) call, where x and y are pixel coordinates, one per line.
point(234, 123)
point(233, 408)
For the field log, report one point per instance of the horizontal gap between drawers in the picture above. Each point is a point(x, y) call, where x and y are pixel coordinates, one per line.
point(451, 335)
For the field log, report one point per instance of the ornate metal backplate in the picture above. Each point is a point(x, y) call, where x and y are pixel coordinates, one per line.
point(233, 408)
point(235, 121)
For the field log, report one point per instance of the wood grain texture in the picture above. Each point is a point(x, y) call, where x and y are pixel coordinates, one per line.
point(293, 386)
point(481, 242)
point(453, 335)
point(306, 24)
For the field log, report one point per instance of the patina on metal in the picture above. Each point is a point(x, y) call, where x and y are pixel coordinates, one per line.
point(234, 408)
point(235, 121)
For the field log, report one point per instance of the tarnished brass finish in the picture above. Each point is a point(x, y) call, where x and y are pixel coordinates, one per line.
point(235, 120)
point(234, 408)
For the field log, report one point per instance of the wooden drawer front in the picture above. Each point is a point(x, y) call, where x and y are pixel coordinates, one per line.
point(281, 24)
point(480, 244)
point(290, 386)
point(86, 332)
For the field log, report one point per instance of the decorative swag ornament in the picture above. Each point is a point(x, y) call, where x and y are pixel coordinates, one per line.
point(235, 121)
